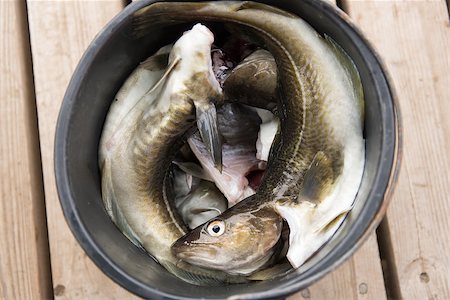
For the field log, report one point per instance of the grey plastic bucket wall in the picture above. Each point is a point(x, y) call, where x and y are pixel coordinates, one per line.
point(106, 64)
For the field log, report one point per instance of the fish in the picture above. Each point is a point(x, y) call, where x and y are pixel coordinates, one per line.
point(140, 140)
point(196, 200)
point(239, 127)
point(317, 160)
point(135, 87)
point(253, 81)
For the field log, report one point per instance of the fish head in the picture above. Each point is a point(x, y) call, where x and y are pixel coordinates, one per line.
point(192, 52)
point(237, 242)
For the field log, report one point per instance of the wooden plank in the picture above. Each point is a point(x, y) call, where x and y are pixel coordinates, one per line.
point(60, 32)
point(413, 38)
point(54, 61)
point(358, 278)
point(24, 259)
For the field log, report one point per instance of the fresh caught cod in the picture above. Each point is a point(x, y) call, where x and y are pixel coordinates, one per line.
point(317, 161)
point(141, 135)
point(239, 127)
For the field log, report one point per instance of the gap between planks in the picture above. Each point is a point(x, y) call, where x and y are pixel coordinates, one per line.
point(60, 33)
point(391, 280)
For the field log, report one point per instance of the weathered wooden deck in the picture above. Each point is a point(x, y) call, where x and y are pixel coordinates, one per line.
point(40, 45)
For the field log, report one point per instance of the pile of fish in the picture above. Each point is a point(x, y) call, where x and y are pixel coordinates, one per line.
point(224, 169)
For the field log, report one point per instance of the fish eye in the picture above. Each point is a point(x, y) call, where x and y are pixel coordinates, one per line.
point(216, 228)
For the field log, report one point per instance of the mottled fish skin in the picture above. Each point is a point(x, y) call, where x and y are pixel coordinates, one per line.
point(130, 93)
point(253, 81)
point(141, 150)
point(242, 233)
point(321, 130)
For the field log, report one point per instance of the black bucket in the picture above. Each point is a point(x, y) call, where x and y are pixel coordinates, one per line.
point(109, 60)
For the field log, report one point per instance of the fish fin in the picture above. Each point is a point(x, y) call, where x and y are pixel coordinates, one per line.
point(156, 62)
point(329, 225)
point(198, 276)
point(205, 209)
point(111, 206)
point(279, 269)
point(350, 69)
point(317, 180)
point(308, 232)
point(209, 131)
point(169, 69)
point(302, 244)
point(194, 170)
point(154, 87)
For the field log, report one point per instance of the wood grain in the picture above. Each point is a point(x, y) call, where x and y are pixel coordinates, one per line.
point(358, 278)
point(58, 41)
point(24, 261)
point(413, 37)
point(60, 32)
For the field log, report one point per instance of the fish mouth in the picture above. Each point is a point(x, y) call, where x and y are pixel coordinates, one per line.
point(196, 254)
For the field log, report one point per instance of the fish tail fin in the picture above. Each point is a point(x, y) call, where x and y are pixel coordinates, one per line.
point(308, 231)
point(329, 223)
point(152, 16)
point(309, 227)
point(112, 208)
point(298, 216)
point(209, 131)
